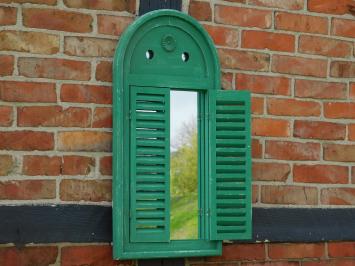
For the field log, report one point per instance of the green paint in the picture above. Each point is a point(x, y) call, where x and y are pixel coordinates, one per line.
point(142, 83)
point(231, 171)
point(149, 165)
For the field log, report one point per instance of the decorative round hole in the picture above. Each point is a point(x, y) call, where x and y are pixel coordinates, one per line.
point(185, 56)
point(149, 54)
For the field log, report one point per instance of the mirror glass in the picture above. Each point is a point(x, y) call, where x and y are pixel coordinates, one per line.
point(183, 165)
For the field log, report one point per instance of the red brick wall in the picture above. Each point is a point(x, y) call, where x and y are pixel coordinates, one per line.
point(284, 254)
point(297, 57)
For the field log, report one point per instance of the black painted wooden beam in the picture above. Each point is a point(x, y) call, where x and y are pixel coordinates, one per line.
point(146, 6)
point(89, 223)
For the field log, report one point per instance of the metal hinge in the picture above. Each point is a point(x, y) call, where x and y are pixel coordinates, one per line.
point(204, 116)
point(129, 115)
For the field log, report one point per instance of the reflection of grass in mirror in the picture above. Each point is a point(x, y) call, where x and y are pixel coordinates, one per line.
point(184, 217)
point(184, 184)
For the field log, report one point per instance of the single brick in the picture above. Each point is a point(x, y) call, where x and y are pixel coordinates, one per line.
point(6, 116)
point(114, 5)
point(339, 7)
point(41, 165)
point(257, 105)
point(287, 150)
point(104, 71)
point(269, 127)
point(325, 174)
point(6, 164)
point(255, 194)
point(263, 171)
point(102, 117)
point(342, 69)
point(288, 5)
point(244, 17)
point(41, 2)
point(94, 255)
point(299, 66)
point(339, 262)
point(320, 89)
point(238, 1)
point(53, 116)
point(351, 134)
point(341, 249)
point(292, 107)
point(338, 196)
point(8, 15)
point(272, 263)
point(92, 47)
point(352, 90)
point(86, 94)
point(339, 110)
point(26, 140)
point(296, 251)
point(54, 68)
point(223, 36)
point(301, 23)
point(27, 189)
point(112, 25)
point(7, 65)
point(339, 152)
point(200, 10)
point(268, 40)
point(294, 195)
point(324, 46)
point(77, 165)
point(84, 141)
point(263, 84)
point(256, 148)
point(29, 42)
point(85, 190)
point(54, 19)
point(319, 130)
point(343, 27)
point(244, 60)
point(240, 252)
point(227, 81)
point(106, 165)
point(26, 256)
point(16, 91)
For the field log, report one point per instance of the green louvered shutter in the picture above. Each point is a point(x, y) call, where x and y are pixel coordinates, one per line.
point(150, 158)
point(231, 166)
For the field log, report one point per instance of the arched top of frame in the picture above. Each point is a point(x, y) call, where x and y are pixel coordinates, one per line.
point(166, 48)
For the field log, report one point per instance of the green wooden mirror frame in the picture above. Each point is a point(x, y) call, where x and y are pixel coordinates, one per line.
point(168, 34)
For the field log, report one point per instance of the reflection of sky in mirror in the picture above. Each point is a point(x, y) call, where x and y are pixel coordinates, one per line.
point(183, 109)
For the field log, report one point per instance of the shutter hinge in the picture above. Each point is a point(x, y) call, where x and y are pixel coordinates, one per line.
point(204, 116)
point(129, 116)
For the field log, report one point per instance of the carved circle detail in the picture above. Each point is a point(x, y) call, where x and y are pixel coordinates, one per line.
point(168, 42)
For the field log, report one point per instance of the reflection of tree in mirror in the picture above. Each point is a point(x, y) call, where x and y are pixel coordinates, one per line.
point(183, 169)
point(184, 183)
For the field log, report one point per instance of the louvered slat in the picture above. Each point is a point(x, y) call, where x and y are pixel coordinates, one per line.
point(150, 188)
point(231, 167)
